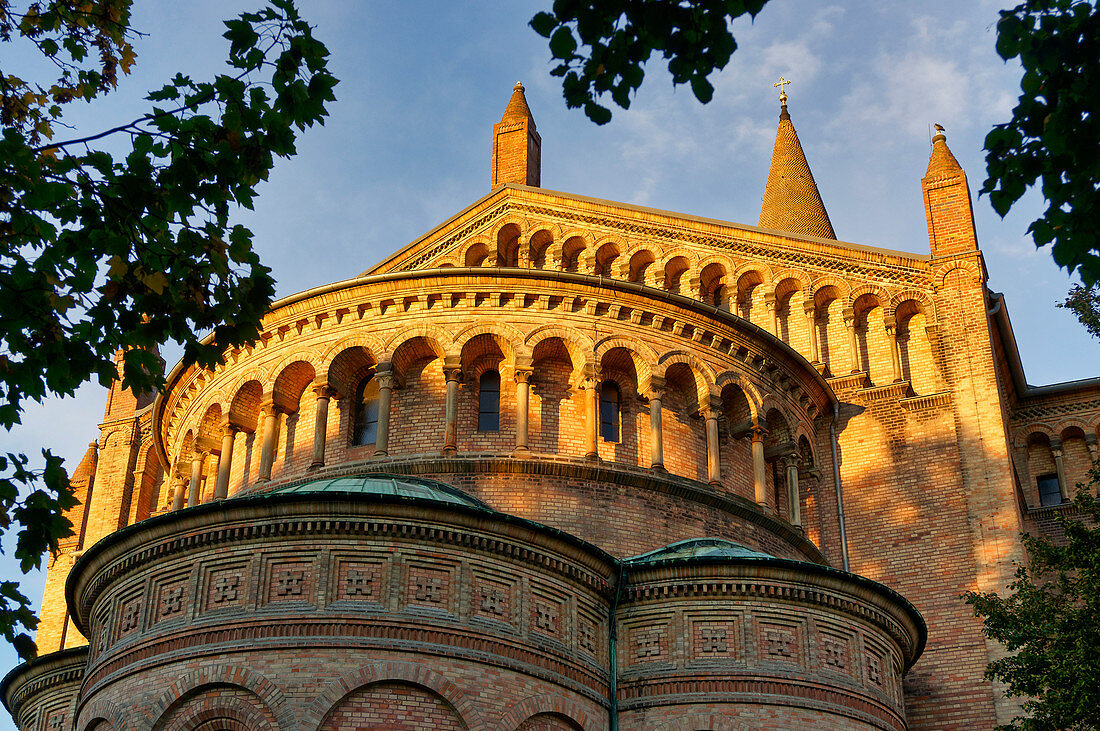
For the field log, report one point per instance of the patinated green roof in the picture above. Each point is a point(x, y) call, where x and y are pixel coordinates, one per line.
point(380, 483)
point(698, 548)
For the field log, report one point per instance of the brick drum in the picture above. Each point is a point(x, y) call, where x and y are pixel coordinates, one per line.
point(590, 381)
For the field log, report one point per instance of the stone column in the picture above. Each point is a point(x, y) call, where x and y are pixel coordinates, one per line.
point(385, 393)
point(714, 463)
point(523, 392)
point(895, 356)
point(656, 432)
point(592, 417)
point(453, 371)
point(849, 316)
point(1059, 465)
point(320, 424)
point(177, 494)
point(196, 479)
point(758, 476)
point(793, 499)
point(769, 305)
point(225, 461)
point(270, 414)
point(811, 318)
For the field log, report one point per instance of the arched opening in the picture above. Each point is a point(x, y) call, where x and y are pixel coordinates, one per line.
point(418, 368)
point(365, 430)
point(571, 252)
point(351, 374)
point(508, 246)
point(747, 296)
point(605, 259)
point(244, 413)
point(832, 341)
point(914, 350)
point(734, 433)
point(476, 255)
point(685, 438)
point(640, 267)
point(1043, 471)
point(539, 248)
point(552, 410)
point(486, 413)
point(872, 346)
point(712, 286)
point(790, 315)
point(675, 269)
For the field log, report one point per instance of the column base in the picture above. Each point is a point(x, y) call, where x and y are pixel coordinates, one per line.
point(521, 452)
point(315, 465)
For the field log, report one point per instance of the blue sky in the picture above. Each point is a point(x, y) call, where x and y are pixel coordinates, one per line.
point(422, 83)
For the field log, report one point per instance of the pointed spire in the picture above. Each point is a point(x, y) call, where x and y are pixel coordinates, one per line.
point(791, 199)
point(517, 147)
point(942, 162)
point(517, 109)
point(947, 206)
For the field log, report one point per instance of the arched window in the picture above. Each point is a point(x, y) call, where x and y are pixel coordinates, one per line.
point(366, 412)
point(488, 404)
point(609, 411)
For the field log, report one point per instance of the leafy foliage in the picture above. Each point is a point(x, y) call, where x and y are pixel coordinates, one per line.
point(100, 254)
point(1049, 624)
point(602, 45)
point(1085, 303)
point(1054, 132)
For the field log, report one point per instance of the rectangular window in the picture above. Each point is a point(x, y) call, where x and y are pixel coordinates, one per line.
point(488, 405)
point(1049, 492)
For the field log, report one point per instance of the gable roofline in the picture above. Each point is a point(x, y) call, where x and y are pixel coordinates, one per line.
point(765, 237)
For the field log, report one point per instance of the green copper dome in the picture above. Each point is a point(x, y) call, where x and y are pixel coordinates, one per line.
point(380, 483)
point(698, 548)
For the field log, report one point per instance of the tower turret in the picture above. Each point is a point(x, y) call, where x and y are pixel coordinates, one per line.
point(517, 147)
point(947, 204)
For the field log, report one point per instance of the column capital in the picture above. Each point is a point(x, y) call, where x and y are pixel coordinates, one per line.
point(810, 308)
point(270, 408)
point(657, 387)
point(769, 299)
point(452, 373)
point(325, 391)
point(385, 379)
point(791, 459)
point(710, 413)
point(228, 428)
point(522, 375)
point(758, 432)
point(849, 315)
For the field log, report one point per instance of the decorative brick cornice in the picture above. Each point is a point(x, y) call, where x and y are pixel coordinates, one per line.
point(347, 632)
point(751, 690)
point(931, 401)
point(45, 674)
point(311, 515)
point(889, 392)
point(580, 469)
point(781, 580)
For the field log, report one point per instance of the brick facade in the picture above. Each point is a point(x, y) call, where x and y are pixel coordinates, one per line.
point(881, 389)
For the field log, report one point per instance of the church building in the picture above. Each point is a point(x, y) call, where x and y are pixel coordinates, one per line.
point(567, 463)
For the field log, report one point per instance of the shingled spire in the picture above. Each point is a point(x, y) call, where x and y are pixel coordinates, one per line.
point(517, 147)
point(791, 201)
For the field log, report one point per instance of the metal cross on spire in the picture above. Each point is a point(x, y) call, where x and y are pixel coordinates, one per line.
point(782, 92)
